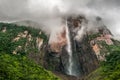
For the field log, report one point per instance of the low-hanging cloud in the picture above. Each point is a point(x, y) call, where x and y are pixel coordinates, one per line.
point(50, 12)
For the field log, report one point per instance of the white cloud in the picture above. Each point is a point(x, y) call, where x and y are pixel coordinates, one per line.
point(50, 12)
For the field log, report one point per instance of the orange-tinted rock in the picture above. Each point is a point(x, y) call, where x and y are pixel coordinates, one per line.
point(61, 41)
point(106, 38)
point(96, 49)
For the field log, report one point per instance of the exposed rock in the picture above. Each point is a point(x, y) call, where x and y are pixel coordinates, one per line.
point(16, 38)
point(29, 37)
point(25, 33)
point(14, 52)
point(104, 36)
point(17, 49)
point(61, 41)
point(4, 30)
point(40, 33)
point(87, 58)
point(39, 42)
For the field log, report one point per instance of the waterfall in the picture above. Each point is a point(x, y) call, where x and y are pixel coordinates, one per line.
point(69, 50)
point(72, 66)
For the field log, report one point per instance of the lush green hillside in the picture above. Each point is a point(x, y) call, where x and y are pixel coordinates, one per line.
point(16, 43)
point(110, 68)
point(17, 67)
point(14, 37)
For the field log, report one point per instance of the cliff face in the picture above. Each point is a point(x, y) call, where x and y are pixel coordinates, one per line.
point(87, 48)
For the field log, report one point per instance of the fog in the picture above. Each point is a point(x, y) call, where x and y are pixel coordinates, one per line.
point(50, 12)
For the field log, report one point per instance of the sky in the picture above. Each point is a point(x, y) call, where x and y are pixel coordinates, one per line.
point(50, 12)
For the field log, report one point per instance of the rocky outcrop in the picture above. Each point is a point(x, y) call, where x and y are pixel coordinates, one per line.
point(103, 35)
point(39, 43)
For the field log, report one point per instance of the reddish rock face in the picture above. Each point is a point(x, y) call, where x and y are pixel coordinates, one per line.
point(61, 41)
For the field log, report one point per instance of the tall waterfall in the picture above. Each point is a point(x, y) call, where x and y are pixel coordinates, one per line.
point(72, 65)
point(69, 50)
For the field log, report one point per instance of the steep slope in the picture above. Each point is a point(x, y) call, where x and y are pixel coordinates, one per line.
point(89, 48)
point(109, 69)
point(22, 53)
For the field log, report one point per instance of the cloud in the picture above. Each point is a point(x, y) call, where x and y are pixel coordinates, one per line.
point(50, 12)
point(13, 9)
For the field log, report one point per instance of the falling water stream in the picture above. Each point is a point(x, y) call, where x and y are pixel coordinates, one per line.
point(69, 50)
point(72, 66)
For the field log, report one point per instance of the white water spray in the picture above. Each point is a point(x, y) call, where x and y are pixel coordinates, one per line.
point(69, 50)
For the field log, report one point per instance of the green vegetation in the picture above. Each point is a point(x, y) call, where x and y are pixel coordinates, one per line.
point(17, 66)
point(8, 45)
point(93, 36)
point(109, 69)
